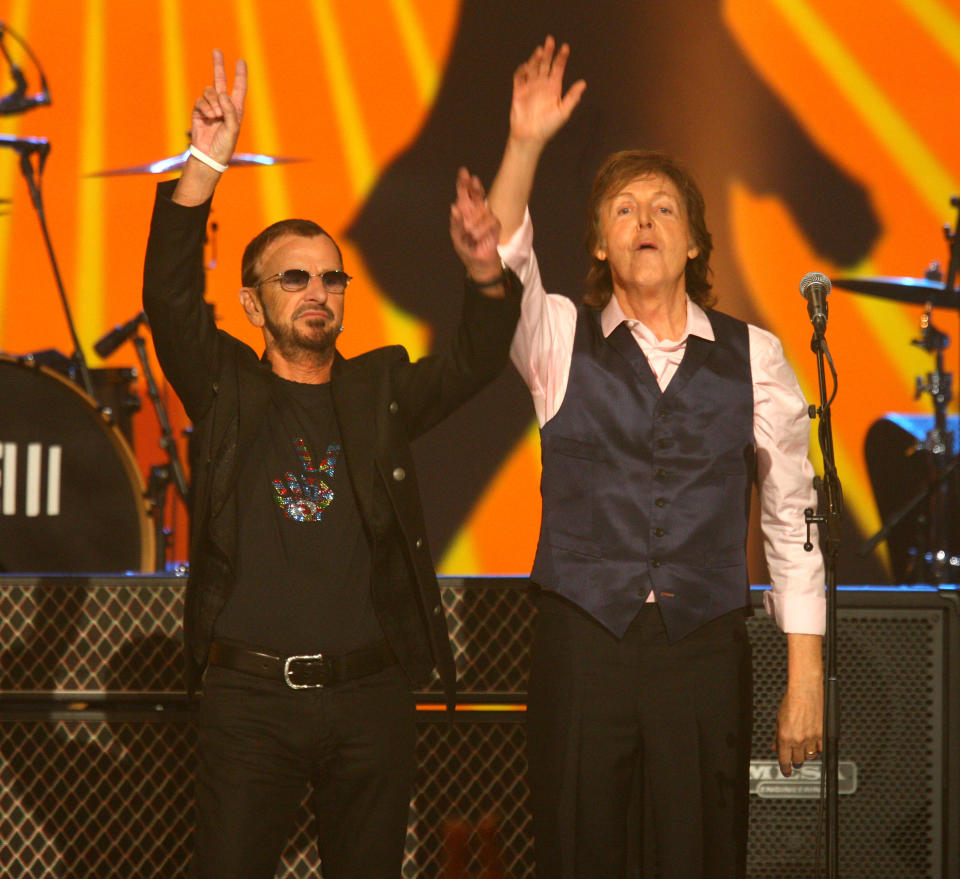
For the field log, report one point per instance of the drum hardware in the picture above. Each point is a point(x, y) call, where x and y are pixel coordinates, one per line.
point(18, 101)
point(32, 169)
point(175, 163)
point(71, 493)
point(916, 291)
point(932, 561)
point(118, 401)
point(161, 475)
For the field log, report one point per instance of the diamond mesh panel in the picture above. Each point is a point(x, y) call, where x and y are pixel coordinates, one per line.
point(91, 636)
point(104, 799)
point(490, 631)
point(469, 771)
point(124, 636)
point(94, 799)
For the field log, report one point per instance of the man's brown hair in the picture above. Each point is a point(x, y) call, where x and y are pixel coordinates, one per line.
point(615, 173)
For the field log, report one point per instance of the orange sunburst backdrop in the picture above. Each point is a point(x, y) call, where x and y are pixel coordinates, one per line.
point(346, 86)
point(873, 87)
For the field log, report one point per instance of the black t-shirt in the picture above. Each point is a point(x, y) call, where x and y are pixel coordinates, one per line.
point(303, 559)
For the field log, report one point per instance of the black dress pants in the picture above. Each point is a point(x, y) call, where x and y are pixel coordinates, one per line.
point(261, 744)
point(608, 718)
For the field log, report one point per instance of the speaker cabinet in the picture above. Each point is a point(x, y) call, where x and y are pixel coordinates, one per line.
point(97, 738)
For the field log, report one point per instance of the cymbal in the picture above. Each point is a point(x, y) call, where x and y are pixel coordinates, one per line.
point(915, 290)
point(175, 163)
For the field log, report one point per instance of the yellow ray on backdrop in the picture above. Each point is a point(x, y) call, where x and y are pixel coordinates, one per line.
point(426, 76)
point(941, 25)
point(260, 122)
point(905, 147)
point(89, 284)
point(176, 94)
point(356, 142)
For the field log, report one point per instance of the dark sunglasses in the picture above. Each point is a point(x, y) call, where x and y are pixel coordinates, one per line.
point(295, 280)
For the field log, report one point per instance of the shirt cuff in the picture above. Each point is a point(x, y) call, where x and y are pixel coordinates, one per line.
point(797, 614)
point(517, 250)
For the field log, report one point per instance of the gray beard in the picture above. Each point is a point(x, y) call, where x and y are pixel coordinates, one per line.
point(297, 347)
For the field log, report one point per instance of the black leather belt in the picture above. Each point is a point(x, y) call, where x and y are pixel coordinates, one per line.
point(304, 671)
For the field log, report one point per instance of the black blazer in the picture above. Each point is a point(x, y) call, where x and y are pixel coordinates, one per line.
point(381, 400)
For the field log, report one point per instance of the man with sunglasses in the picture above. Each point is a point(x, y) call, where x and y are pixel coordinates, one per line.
point(312, 607)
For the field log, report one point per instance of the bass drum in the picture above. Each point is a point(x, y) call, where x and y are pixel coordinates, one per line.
point(71, 495)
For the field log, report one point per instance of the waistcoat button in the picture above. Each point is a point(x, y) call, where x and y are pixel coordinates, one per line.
point(399, 474)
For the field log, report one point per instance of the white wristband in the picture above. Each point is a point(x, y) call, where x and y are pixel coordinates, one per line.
point(209, 161)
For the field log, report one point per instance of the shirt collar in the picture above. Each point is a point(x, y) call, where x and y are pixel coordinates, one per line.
point(698, 324)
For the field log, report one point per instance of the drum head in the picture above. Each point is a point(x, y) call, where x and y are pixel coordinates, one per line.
point(71, 496)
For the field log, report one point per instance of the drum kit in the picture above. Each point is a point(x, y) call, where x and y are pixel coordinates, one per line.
point(912, 459)
point(72, 497)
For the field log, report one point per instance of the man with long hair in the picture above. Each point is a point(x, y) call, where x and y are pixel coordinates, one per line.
point(656, 415)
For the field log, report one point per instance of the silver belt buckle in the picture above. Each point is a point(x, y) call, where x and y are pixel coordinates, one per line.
point(286, 672)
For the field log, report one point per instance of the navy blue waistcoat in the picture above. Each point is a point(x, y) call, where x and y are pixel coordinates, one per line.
point(643, 489)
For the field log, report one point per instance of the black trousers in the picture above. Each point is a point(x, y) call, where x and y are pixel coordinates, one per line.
point(613, 723)
point(261, 744)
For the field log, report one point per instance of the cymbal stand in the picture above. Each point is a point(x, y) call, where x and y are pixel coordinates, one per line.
point(953, 263)
point(163, 475)
point(953, 242)
point(937, 564)
point(27, 148)
point(939, 444)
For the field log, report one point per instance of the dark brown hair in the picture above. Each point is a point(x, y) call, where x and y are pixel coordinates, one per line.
point(615, 173)
point(249, 264)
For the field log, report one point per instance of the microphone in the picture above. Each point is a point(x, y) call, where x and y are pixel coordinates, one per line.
point(118, 335)
point(815, 287)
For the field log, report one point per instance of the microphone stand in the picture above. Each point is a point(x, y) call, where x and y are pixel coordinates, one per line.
point(26, 147)
point(161, 476)
point(833, 494)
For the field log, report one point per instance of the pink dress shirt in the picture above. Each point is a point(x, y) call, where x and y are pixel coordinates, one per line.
point(542, 349)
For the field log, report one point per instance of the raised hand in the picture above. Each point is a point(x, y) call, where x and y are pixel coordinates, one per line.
point(539, 107)
point(538, 110)
point(474, 230)
point(216, 117)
